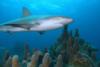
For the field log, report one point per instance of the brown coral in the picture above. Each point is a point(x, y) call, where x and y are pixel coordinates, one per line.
point(15, 61)
point(46, 60)
point(59, 62)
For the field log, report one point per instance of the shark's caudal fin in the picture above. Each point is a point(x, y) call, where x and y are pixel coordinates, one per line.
point(26, 12)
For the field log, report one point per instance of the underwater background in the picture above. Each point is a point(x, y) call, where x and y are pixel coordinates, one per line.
point(85, 13)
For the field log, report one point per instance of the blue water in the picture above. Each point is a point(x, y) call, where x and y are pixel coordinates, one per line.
point(86, 15)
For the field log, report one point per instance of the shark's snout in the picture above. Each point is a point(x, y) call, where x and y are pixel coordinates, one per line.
point(69, 20)
point(66, 21)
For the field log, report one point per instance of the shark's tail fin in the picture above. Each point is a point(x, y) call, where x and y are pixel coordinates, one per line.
point(26, 12)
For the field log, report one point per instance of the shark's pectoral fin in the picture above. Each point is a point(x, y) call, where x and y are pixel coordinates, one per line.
point(28, 28)
point(41, 32)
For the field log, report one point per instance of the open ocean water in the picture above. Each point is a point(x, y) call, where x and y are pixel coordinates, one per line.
point(85, 13)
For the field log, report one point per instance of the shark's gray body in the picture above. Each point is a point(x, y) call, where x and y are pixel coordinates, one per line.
point(31, 24)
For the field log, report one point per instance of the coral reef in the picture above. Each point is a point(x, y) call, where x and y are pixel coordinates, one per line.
point(75, 51)
point(26, 53)
point(46, 60)
point(15, 61)
point(59, 62)
point(70, 50)
point(8, 62)
point(34, 59)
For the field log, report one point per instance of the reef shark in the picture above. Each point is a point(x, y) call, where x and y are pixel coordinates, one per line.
point(29, 23)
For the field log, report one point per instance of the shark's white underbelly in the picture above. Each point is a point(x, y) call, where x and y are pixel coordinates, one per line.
point(45, 27)
point(10, 28)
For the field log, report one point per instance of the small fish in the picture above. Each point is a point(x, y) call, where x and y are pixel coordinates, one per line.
point(39, 25)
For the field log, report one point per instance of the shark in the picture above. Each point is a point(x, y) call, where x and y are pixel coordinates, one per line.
point(30, 23)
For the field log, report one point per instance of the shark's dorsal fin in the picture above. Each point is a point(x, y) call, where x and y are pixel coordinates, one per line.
point(26, 12)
